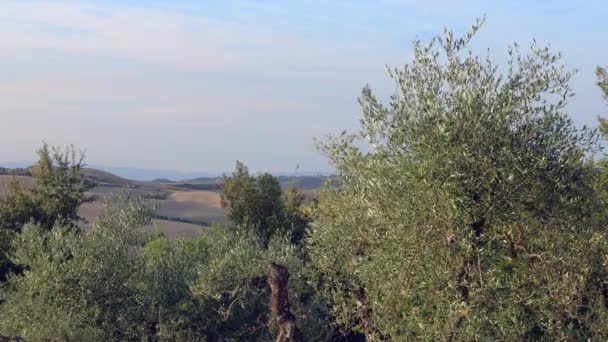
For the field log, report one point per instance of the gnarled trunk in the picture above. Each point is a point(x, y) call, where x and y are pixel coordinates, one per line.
point(463, 280)
point(278, 279)
point(364, 314)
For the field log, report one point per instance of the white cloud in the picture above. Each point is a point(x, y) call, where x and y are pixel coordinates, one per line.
point(154, 36)
point(245, 77)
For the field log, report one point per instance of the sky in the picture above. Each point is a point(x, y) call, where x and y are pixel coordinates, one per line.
point(196, 85)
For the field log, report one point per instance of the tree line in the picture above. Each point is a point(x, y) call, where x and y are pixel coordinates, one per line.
point(474, 209)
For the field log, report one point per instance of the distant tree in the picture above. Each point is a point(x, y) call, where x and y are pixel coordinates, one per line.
point(254, 201)
point(259, 203)
point(295, 219)
point(473, 216)
point(55, 197)
point(239, 194)
point(269, 203)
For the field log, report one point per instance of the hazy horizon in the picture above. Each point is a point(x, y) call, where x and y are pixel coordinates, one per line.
point(193, 86)
point(147, 174)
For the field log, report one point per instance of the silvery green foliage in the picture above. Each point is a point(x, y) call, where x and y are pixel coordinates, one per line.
point(602, 76)
point(231, 282)
point(472, 216)
point(602, 164)
point(81, 285)
point(170, 268)
point(114, 281)
point(57, 193)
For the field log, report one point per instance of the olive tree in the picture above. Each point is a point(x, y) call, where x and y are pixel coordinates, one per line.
point(53, 199)
point(56, 195)
point(232, 284)
point(470, 215)
point(79, 284)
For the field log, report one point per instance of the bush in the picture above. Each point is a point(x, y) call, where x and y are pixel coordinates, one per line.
point(113, 281)
point(232, 283)
point(79, 284)
point(54, 199)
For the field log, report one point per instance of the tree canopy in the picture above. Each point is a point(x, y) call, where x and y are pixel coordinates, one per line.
point(55, 197)
point(260, 203)
point(473, 215)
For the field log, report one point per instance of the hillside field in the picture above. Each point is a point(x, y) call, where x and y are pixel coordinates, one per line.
point(182, 208)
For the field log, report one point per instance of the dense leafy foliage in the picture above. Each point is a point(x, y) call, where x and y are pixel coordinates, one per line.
point(473, 216)
point(78, 285)
point(54, 198)
point(233, 282)
point(259, 203)
point(56, 195)
point(113, 281)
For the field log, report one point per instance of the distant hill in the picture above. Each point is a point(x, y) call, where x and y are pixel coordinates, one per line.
point(166, 176)
point(162, 180)
point(133, 173)
point(182, 207)
point(15, 171)
point(102, 177)
point(203, 180)
point(171, 176)
point(151, 174)
point(303, 182)
point(216, 183)
point(16, 165)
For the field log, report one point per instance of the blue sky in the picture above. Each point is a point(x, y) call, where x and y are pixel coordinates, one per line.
point(196, 85)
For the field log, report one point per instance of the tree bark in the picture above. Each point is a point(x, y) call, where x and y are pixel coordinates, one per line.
point(463, 280)
point(280, 314)
point(364, 314)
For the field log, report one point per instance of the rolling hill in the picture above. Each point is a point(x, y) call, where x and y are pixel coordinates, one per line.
point(182, 207)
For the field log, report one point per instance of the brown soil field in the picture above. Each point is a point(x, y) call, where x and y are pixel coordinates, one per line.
point(179, 211)
point(207, 198)
point(196, 205)
point(171, 229)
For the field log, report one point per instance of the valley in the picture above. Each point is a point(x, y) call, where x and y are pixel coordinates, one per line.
point(182, 208)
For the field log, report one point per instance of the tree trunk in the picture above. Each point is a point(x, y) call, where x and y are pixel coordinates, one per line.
point(463, 280)
point(364, 314)
point(280, 314)
point(151, 331)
